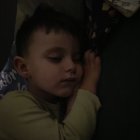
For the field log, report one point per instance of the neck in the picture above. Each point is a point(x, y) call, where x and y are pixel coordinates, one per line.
point(43, 95)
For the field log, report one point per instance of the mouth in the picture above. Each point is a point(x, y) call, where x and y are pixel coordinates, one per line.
point(69, 81)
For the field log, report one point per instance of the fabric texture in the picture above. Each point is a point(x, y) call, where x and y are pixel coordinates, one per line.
point(126, 7)
point(10, 80)
point(24, 117)
point(71, 7)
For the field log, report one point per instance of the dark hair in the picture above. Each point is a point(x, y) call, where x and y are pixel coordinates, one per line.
point(46, 16)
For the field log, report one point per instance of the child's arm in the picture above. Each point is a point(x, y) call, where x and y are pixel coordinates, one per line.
point(83, 107)
point(92, 68)
point(81, 120)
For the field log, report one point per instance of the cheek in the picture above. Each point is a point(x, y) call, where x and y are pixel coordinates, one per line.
point(50, 74)
point(45, 78)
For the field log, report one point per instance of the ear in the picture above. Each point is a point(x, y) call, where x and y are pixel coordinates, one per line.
point(21, 67)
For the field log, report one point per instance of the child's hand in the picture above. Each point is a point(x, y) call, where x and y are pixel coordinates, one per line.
point(92, 69)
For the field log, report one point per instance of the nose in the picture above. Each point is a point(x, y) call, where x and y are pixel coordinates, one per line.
point(69, 65)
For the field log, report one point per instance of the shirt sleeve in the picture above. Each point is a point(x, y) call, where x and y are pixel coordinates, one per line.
point(23, 119)
point(82, 118)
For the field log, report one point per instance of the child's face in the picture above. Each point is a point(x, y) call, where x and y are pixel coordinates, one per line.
point(53, 63)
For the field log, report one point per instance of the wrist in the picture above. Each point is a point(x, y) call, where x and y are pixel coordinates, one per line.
point(90, 88)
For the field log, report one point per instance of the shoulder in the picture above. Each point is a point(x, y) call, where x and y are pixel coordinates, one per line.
point(16, 101)
point(17, 97)
point(20, 108)
point(22, 115)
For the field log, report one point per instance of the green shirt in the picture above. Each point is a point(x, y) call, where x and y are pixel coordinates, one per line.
point(23, 117)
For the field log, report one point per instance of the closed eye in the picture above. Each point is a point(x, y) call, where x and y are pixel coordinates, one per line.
point(55, 59)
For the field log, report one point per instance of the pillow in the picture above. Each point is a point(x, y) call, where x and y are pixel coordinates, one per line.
point(10, 79)
point(26, 8)
point(126, 7)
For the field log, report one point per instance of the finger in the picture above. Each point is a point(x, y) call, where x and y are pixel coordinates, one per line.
point(87, 57)
point(98, 60)
point(92, 56)
point(98, 63)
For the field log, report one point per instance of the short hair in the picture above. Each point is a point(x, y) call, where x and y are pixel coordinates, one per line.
point(46, 16)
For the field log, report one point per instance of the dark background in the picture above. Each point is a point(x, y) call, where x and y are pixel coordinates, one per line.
point(119, 87)
point(7, 24)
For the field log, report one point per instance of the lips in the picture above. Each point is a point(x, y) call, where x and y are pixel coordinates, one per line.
point(69, 81)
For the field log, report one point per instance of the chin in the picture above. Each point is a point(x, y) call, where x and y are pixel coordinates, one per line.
point(65, 93)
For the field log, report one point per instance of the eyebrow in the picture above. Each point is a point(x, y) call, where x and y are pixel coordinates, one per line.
point(56, 49)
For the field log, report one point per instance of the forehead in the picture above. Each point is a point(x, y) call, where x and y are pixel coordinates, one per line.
point(42, 40)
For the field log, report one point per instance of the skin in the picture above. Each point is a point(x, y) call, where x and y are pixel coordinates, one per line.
point(52, 66)
point(91, 73)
